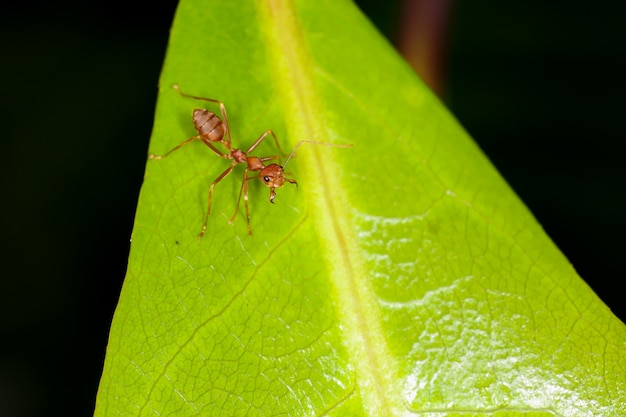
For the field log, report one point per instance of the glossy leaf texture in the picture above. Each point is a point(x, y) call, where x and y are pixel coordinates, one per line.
point(401, 277)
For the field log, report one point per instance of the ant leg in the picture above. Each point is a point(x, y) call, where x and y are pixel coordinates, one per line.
point(245, 203)
point(211, 100)
point(208, 209)
point(217, 151)
point(269, 158)
point(153, 156)
point(225, 120)
point(263, 136)
point(213, 148)
point(243, 191)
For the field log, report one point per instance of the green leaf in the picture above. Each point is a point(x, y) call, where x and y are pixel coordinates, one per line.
point(402, 276)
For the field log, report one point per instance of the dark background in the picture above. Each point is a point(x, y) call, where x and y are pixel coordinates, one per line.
point(539, 86)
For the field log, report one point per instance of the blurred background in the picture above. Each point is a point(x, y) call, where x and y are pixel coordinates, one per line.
point(539, 85)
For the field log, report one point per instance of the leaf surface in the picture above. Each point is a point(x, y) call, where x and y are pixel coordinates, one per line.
point(402, 276)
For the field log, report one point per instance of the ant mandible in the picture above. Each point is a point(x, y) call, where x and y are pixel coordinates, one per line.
point(211, 129)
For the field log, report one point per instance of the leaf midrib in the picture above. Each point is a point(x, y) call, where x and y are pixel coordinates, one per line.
point(358, 310)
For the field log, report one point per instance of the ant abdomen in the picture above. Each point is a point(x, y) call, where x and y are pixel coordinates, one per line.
point(208, 125)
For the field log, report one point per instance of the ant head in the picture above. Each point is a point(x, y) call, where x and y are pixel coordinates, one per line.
point(272, 176)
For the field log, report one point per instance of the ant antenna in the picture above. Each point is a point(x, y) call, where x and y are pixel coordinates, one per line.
point(293, 153)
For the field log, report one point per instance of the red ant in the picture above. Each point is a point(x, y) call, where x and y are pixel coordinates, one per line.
point(211, 129)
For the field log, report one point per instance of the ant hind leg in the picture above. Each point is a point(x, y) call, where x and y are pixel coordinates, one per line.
point(175, 148)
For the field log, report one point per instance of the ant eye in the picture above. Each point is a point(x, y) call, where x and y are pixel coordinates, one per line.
point(266, 178)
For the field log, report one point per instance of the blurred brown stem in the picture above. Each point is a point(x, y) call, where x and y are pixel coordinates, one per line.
point(422, 39)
